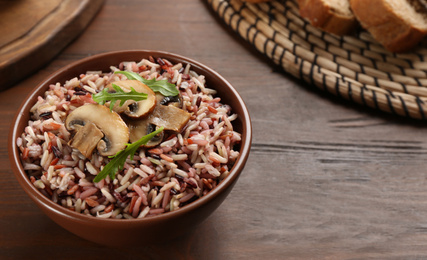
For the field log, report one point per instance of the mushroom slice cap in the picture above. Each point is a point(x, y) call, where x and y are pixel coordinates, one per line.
point(115, 130)
point(132, 108)
point(86, 139)
point(169, 100)
point(170, 117)
point(141, 127)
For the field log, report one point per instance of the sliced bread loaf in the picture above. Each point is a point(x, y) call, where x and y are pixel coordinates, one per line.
point(333, 16)
point(397, 24)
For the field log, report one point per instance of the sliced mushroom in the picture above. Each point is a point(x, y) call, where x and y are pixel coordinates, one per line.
point(142, 127)
point(114, 129)
point(169, 100)
point(170, 117)
point(132, 108)
point(167, 113)
point(86, 139)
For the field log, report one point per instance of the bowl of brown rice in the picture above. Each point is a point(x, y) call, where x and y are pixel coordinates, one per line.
point(130, 147)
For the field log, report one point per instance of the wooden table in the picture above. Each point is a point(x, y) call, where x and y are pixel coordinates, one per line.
point(325, 179)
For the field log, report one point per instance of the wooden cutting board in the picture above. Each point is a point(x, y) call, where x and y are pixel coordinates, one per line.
point(32, 32)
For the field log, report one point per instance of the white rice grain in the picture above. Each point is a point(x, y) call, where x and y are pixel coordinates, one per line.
point(108, 195)
point(31, 166)
point(44, 158)
point(77, 205)
point(104, 215)
point(179, 157)
point(146, 169)
point(127, 176)
point(180, 172)
point(69, 163)
point(92, 86)
point(59, 144)
point(91, 169)
point(167, 186)
point(79, 173)
point(144, 212)
point(50, 172)
point(156, 201)
point(39, 184)
point(169, 164)
point(212, 170)
point(169, 143)
point(192, 147)
point(123, 187)
point(97, 209)
point(218, 157)
point(136, 181)
point(180, 139)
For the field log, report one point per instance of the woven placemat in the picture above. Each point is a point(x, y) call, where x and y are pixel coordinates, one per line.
point(355, 68)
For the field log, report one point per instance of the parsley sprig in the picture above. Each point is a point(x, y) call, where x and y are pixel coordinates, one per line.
point(105, 96)
point(118, 161)
point(162, 86)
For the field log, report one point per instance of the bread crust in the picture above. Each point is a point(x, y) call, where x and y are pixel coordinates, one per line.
point(321, 15)
point(255, 1)
point(394, 32)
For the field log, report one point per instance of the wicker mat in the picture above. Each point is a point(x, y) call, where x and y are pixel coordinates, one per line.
point(355, 68)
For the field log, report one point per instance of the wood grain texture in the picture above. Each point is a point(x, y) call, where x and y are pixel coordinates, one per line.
point(326, 179)
point(22, 16)
point(34, 32)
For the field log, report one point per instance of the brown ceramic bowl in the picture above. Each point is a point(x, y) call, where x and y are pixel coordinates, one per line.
point(120, 232)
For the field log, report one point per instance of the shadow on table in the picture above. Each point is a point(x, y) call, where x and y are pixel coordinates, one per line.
point(201, 243)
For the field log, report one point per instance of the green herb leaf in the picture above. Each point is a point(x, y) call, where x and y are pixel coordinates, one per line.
point(162, 86)
point(118, 161)
point(131, 75)
point(121, 95)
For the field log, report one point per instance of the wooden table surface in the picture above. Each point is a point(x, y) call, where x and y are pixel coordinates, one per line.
point(325, 179)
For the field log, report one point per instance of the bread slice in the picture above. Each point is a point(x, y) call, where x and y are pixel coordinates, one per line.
point(256, 1)
point(397, 24)
point(333, 16)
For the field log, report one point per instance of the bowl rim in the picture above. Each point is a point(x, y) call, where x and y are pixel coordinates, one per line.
point(38, 197)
